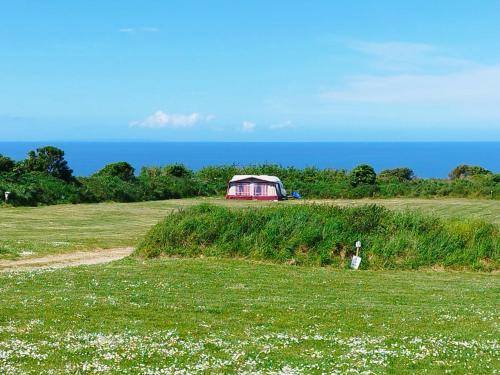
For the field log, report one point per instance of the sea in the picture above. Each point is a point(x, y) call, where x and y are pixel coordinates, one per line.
point(427, 159)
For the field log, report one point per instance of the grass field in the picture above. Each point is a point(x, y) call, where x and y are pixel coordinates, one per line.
point(208, 315)
point(227, 316)
point(33, 231)
point(488, 210)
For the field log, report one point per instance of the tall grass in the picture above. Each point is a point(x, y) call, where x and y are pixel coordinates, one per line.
point(325, 235)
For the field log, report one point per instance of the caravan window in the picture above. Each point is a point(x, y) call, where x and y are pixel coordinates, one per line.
point(242, 189)
point(260, 189)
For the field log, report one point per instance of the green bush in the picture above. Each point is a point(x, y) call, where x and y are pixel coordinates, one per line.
point(177, 170)
point(324, 235)
point(36, 188)
point(102, 188)
point(168, 186)
point(362, 175)
point(123, 170)
point(6, 164)
point(465, 171)
point(397, 175)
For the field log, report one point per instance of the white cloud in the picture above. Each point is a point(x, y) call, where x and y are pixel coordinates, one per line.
point(134, 30)
point(475, 85)
point(391, 49)
point(405, 56)
point(422, 83)
point(161, 119)
point(282, 125)
point(248, 126)
point(473, 94)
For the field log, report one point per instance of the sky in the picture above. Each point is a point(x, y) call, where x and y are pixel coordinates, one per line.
point(250, 70)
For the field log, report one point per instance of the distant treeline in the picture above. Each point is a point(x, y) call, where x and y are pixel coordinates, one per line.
point(45, 177)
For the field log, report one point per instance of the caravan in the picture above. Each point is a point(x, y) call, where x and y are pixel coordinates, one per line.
point(260, 187)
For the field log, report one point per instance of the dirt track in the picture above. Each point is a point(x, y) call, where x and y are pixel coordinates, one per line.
point(66, 260)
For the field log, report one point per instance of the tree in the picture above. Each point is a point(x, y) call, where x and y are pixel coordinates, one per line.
point(177, 170)
point(150, 172)
point(49, 160)
point(362, 175)
point(397, 174)
point(465, 171)
point(6, 164)
point(123, 170)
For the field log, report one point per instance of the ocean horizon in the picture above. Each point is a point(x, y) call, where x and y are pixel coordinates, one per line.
point(427, 159)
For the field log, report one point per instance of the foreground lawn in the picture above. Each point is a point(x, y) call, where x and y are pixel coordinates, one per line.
point(32, 231)
point(227, 316)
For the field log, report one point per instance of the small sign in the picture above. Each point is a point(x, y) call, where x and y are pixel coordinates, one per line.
point(358, 244)
point(356, 261)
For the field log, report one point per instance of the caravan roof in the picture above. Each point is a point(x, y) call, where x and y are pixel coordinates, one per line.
point(263, 177)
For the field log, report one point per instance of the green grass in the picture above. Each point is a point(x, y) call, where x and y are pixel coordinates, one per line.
point(325, 235)
point(62, 228)
point(233, 316)
point(229, 316)
point(488, 210)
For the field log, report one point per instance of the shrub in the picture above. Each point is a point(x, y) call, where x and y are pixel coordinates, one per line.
point(167, 187)
point(6, 164)
point(35, 188)
point(362, 174)
point(397, 174)
point(177, 170)
point(123, 170)
point(464, 171)
point(102, 188)
point(322, 235)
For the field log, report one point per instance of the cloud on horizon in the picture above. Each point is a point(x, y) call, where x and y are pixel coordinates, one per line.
point(161, 119)
point(248, 126)
point(420, 80)
point(282, 125)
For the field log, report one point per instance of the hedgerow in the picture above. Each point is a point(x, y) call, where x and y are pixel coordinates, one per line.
point(44, 177)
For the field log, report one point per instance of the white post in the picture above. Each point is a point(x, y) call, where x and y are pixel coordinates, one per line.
point(358, 247)
point(6, 194)
point(356, 259)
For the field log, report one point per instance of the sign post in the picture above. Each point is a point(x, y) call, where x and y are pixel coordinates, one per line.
point(6, 194)
point(356, 259)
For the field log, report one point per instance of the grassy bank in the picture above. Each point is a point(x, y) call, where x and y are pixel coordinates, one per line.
point(324, 235)
point(233, 316)
point(36, 231)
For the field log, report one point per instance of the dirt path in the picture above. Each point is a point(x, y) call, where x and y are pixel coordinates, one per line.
point(66, 260)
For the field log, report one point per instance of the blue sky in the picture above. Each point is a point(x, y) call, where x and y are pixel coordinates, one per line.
point(250, 70)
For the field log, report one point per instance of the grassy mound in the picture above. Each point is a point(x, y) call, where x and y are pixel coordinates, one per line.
point(325, 235)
